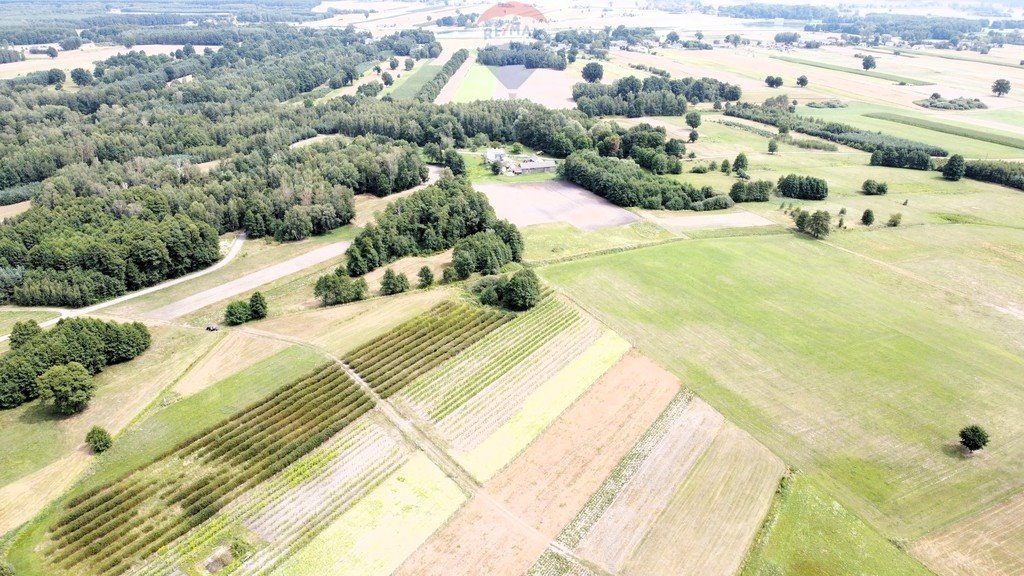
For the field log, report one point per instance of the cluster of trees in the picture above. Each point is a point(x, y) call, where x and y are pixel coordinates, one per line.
point(242, 311)
point(520, 291)
point(787, 37)
point(8, 55)
point(67, 355)
point(773, 81)
point(339, 288)
point(802, 187)
point(393, 283)
point(781, 117)
point(532, 55)
point(460, 20)
point(367, 165)
point(899, 157)
point(874, 188)
point(624, 183)
point(818, 224)
point(654, 95)
point(429, 91)
point(752, 191)
point(647, 145)
point(960, 103)
point(488, 251)
point(428, 221)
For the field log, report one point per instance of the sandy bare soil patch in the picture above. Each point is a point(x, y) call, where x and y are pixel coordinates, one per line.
point(555, 201)
point(247, 282)
point(341, 328)
point(683, 221)
point(234, 353)
point(206, 167)
point(21, 500)
point(481, 539)
point(987, 544)
point(556, 475)
point(312, 140)
point(14, 209)
point(448, 91)
point(711, 520)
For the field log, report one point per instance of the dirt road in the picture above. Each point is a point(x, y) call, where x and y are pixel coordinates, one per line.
point(247, 282)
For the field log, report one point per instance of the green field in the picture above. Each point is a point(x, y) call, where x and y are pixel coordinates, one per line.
point(857, 114)
point(869, 73)
point(406, 87)
point(478, 84)
point(856, 373)
point(983, 135)
point(810, 534)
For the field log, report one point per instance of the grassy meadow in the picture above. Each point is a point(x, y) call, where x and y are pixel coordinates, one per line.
point(846, 368)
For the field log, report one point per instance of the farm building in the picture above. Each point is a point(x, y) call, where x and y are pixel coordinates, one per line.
point(533, 165)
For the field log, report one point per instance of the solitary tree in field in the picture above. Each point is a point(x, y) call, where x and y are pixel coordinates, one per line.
point(426, 277)
point(387, 78)
point(726, 168)
point(955, 168)
point(693, 119)
point(820, 224)
point(740, 163)
point(237, 312)
point(409, 63)
point(802, 81)
point(694, 135)
point(868, 218)
point(593, 72)
point(672, 37)
point(895, 220)
point(98, 439)
point(393, 63)
point(773, 146)
point(869, 62)
point(973, 438)
point(68, 386)
point(1000, 87)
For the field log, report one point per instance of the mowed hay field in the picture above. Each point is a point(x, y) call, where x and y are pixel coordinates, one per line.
point(847, 369)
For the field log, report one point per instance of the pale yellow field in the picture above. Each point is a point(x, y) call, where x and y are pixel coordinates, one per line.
point(380, 531)
point(84, 57)
point(709, 524)
point(14, 209)
point(233, 353)
point(988, 544)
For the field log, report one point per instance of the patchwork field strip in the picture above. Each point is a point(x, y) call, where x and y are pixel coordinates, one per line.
point(990, 543)
point(384, 528)
point(281, 515)
point(109, 529)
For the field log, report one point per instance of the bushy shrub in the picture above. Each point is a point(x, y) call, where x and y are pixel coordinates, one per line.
point(338, 288)
point(98, 439)
point(873, 188)
point(237, 312)
point(895, 220)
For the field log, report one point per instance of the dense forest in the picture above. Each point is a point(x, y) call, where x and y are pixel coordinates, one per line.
point(760, 10)
point(909, 28)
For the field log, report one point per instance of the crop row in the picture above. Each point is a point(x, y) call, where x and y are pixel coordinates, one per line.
point(493, 344)
point(410, 350)
point(295, 505)
point(108, 529)
point(532, 339)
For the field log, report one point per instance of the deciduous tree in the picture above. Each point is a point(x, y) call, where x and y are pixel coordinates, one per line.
point(68, 386)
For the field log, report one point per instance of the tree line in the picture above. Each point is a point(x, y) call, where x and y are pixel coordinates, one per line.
point(625, 183)
point(430, 91)
point(782, 118)
point(532, 55)
point(652, 96)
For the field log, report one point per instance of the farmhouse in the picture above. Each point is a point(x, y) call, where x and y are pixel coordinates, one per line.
point(495, 155)
point(533, 165)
